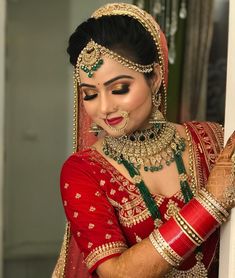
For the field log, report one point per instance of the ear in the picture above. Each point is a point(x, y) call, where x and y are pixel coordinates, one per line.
point(156, 80)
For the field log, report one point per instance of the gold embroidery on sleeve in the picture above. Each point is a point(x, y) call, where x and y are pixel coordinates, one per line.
point(103, 251)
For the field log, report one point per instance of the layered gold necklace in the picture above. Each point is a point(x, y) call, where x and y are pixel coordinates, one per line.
point(151, 148)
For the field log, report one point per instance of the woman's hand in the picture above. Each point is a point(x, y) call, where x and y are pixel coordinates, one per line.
point(221, 182)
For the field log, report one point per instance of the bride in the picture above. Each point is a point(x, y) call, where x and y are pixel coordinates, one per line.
point(143, 197)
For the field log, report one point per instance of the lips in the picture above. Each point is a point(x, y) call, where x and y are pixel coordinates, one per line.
point(114, 121)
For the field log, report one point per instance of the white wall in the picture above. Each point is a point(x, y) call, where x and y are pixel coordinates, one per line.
point(227, 247)
point(2, 79)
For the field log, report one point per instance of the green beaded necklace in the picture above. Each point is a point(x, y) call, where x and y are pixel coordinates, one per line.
point(146, 195)
point(170, 141)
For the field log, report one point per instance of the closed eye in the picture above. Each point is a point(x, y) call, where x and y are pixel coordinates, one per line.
point(89, 97)
point(89, 93)
point(123, 89)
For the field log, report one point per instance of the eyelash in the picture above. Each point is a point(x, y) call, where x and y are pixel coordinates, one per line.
point(89, 97)
point(122, 91)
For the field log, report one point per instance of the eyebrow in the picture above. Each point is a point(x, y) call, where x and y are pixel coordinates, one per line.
point(116, 78)
point(107, 82)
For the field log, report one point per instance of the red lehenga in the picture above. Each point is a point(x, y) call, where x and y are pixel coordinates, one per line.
point(107, 214)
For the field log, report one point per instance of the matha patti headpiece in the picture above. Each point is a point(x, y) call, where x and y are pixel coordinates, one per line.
point(90, 60)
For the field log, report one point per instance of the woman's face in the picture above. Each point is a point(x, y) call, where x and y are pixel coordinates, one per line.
point(112, 92)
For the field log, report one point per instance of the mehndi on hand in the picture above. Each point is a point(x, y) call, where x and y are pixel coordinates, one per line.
point(221, 182)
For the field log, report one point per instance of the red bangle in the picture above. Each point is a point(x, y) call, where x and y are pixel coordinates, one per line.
point(176, 238)
point(189, 228)
point(192, 225)
point(199, 218)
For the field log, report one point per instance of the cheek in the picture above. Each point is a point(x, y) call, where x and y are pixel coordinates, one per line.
point(138, 99)
point(89, 108)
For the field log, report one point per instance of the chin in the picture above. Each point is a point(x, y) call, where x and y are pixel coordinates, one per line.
point(117, 133)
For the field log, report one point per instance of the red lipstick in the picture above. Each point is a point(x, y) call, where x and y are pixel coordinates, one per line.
point(114, 121)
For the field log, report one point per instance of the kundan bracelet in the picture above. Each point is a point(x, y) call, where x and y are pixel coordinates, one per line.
point(193, 224)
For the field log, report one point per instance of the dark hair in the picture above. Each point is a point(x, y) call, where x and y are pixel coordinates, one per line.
point(122, 34)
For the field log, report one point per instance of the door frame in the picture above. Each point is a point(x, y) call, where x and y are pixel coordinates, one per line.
point(227, 240)
point(2, 102)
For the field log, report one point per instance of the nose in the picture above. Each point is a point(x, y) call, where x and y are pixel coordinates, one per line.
point(106, 104)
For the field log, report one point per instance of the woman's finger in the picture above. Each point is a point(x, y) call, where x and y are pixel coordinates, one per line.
point(228, 150)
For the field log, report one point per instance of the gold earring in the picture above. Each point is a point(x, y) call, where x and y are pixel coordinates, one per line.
point(156, 116)
point(95, 128)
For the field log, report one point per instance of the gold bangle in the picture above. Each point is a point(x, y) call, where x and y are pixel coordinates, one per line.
point(211, 209)
point(188, 230)
point(164, 249)
point(219, 207)
point(170, 252)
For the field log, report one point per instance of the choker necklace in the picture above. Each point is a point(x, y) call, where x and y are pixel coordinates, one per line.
point(151, 148)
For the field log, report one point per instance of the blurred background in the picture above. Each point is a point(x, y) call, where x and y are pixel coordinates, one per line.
point(38, 103)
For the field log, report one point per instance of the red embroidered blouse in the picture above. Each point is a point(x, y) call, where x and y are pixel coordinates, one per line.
point(107, 213)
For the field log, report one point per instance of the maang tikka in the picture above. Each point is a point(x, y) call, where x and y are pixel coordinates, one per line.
point(90, 59)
